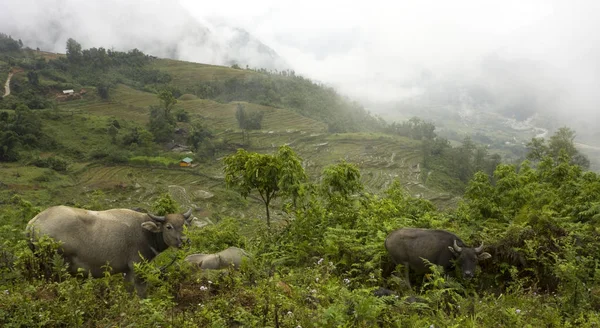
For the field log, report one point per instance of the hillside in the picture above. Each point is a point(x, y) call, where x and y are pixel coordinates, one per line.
point(101, 129)
point(78, 124)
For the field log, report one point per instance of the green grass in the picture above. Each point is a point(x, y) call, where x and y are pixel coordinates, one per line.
point(187, 74)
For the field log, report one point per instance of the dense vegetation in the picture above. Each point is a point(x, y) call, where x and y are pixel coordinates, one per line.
point(316, 239)
point(321, 267)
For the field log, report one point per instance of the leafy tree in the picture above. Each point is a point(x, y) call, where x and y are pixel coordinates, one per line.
point(167, 101)
point(112, 131)
point(342, 179)
point(33, 78)
point(74, 54)
point(103, 88)
point(198, 134)
point(9, 141)
point(164, 205)
point(248, 120)
point(269, 175)
point(162, 123)
point(182, 115)
point(562, 140)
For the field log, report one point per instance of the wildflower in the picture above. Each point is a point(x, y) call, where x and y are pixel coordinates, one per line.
point(210, 282)
point(331, 264)
point(203, 288)
point(320, 261)
point(431, 326)
point(372, 276)
point(317, 279)
point(518, 311)
point(289, 313)
point(6, 292)
point(313, 291)
point(298, 326)
point(346, 281)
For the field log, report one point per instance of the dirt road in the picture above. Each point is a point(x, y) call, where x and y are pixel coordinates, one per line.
point(7, 85)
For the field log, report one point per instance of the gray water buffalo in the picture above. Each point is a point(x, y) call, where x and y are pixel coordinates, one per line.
point(120, 237)
point(409, 246)
point(221, 260)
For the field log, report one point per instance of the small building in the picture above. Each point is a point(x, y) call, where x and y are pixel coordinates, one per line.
point(186, 162)
point(68, 92)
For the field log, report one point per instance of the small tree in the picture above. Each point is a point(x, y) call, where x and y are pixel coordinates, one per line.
point(74, 53)
point(165, 205)
point(248, 120)
point(198, 134)
point(162, 123)
point(341, 180)
point(269, 175)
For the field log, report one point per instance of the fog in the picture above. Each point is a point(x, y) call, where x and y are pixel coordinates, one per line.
point(538, 56)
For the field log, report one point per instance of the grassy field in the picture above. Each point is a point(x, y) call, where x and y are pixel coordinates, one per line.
point(187, 74)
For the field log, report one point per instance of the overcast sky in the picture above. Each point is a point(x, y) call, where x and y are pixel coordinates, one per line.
point(368, 49)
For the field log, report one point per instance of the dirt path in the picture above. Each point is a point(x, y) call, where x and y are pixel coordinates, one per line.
point(7, 85)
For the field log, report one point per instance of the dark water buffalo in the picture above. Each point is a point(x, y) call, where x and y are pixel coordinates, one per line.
point(409, 246)
point(221, 260)
point(120, 237)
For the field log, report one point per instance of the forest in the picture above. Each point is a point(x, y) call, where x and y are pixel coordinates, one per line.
point(313, 221)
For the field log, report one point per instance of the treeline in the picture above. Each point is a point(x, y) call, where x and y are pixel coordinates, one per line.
point(446, 166)
point(21, 129)
point(8, 44)
point(287, 90)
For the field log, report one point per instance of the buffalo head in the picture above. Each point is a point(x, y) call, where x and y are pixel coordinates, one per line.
point(467, 258)
point(171, 226)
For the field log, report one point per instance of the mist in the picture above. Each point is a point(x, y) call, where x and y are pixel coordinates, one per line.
point(517, 58)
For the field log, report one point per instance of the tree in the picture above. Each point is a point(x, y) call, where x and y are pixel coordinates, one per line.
point(248, 120)
point(74, 53)
point(162, 123)
point(112, 131)
point(342, 179)
point(269, 175)
point(167, 101)
point(103, 88)
point(198, 134)
point(562, 140)
point(33, 78)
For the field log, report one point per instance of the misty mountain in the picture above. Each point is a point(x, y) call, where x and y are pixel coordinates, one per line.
point(160, 28)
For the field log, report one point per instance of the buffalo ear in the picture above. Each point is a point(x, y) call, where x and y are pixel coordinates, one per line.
point(451, 248)
point(151, 226)
point(484, 255)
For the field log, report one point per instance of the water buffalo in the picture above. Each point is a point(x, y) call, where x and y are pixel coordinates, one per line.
point(221, 260)
point(120, 237)
point(409, 246)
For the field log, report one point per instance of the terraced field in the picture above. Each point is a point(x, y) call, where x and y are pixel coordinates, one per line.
point(187, 74)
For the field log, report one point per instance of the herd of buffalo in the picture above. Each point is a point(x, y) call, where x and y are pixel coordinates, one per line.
point(121, 237)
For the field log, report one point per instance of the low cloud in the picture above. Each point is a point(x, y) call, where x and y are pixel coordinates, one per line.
point(539, 54)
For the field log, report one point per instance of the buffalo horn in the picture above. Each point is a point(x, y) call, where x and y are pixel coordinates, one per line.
point(187, 214)
point(456, 247)
point(156, 217)
point(479, 249)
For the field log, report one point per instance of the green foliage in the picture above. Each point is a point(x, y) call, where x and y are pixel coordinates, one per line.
point(53, 162)
point(162, 121)
point(153, 161)
point(164, 205)
point(562, 140)
point(8, 44)
point(269, 175)
point(341, 180)
point(198, 136)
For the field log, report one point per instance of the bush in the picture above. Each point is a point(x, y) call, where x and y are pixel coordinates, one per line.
point(53, 162)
